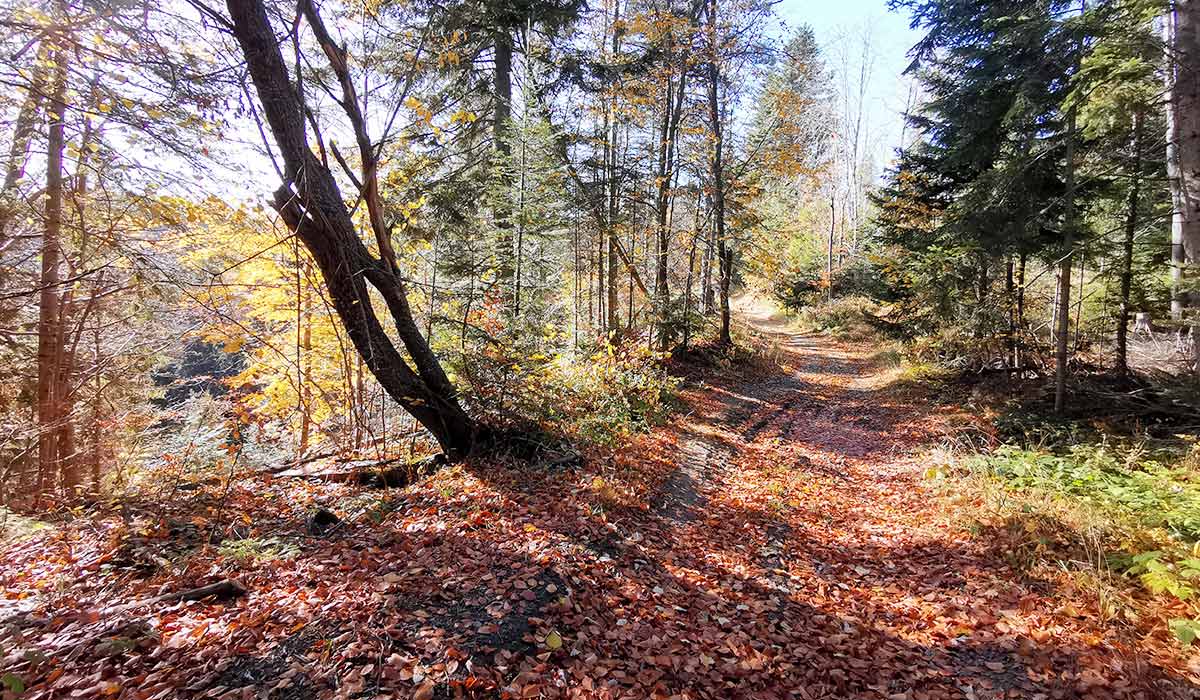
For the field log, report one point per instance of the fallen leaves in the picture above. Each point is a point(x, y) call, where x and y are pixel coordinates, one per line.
point(805, 559)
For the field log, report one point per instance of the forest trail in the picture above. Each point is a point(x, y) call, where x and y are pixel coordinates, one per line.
point(815, 478)
point(775, 539)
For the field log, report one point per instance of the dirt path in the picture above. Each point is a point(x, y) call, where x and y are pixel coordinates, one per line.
point(776, 540)
point(809, 482)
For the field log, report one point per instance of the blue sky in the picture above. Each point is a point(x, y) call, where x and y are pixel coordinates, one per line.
point(839, 25)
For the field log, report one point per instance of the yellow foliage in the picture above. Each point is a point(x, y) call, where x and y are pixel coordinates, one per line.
point(267, 302)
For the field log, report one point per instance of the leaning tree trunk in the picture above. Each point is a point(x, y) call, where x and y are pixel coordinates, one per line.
point(1183, 157)
point(311, 205)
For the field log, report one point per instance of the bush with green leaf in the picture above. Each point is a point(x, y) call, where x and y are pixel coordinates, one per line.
point(595, 393)
point(1153, 493)
point(849, 317)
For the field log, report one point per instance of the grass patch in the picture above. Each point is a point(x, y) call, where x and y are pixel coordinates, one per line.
point(258, 550)
point(1148, 490)
point(1120, 521)
point(14, 526)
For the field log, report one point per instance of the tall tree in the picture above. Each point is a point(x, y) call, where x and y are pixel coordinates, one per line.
point(988, 175)
point(50, 333)
point(1182, 26)
point(717, 171)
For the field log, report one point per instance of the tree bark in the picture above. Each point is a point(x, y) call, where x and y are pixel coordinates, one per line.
point(832, 228)
point(1063, 319)
point(612, 321)
point(1020, 328)
point(1183, 158)
point(1131, 222)
point(724, 250)
point(501, 130)
point(1010, 300)
point(691, 274)
point(311, 205)
point(50, 335)
point(672, 111)
point(708, 299)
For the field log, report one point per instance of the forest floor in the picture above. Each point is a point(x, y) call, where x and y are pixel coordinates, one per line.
point(776, 539)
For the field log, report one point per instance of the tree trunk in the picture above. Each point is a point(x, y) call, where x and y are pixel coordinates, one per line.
point(304, 369)
point(612, 321)
point(707, 299)
point(97, 434)
point(724, 251)
point(672, 111)
point(502, 115)
point(50, 335)
point(1020, 328)
point(1063, 320)
point(984, 280)
point(519, 253)
point(1079, 300)
point(575, 278)
point(1183, 159)
point(691, 274)
point(1010, 299)
point(832, 227)
point(1131, 222)
point(601, 317)
point(311, 205)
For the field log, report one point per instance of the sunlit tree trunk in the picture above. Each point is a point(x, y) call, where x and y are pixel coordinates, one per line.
point(1183, 154)
point(724, 250)
point(50, 335)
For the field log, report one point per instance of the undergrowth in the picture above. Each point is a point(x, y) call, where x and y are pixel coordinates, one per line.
point(848, 318)
point(1116, 514)
point(598, 394)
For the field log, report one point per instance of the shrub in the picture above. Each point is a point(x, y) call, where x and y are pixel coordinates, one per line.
point(595, 394)
point(803, 287)
point(850, 317)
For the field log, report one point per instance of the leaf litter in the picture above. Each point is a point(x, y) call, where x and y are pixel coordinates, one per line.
point(775, 540)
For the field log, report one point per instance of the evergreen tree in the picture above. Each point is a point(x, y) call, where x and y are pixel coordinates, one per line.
point(993, 174)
